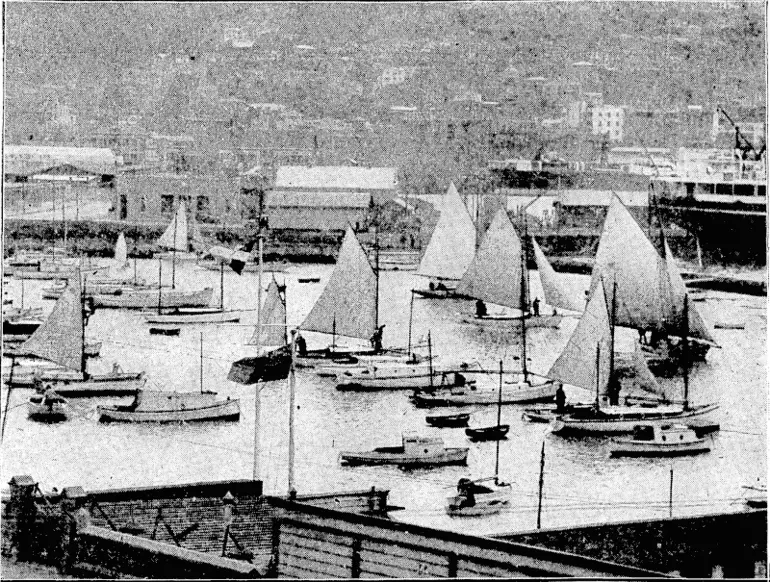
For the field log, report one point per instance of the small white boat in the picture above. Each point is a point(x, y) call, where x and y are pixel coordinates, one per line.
point(202, 315)
point(47, 407)
point(552, 321)
point(479, 497)
point(515, 390)
point(651, 440)
point(415, 451)
point(419, 377)
point(362, 364)
point(159, 406)
point(148, 299)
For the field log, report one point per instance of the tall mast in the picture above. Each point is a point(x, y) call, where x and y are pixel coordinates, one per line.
point(82, 327)
point(292, 390)
point(376, 275)
point(598, 364)
point(614, 391)
point(221, 286)
point(684, 357)
point(523, 316)
point(160, 278)
point(201, 371)
point(173, 252)
point(411, 310)
point(257, 394)
point(499, 410)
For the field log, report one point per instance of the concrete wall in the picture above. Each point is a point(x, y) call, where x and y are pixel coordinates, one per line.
point(733, 545)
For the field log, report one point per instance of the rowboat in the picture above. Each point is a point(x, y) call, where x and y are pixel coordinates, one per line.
point(448, 420)
point(415, 451)
point(488, 433)
point(47, 407)
point(159, 406)
point(651, 440)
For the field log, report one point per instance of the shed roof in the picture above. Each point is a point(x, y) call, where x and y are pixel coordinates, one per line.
point(336, 177)
point(282, 198)
point(27, 160)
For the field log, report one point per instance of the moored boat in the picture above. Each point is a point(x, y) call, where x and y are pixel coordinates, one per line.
point(148, 298)
point(651, 440)
point(515, 390)
point(47, 407)
point(159, 406)
point(459, 419)
point(480, 497)
point(488, 433)
point(187, 315)
point(415, 451)
point(401, 378)
point(552, 321)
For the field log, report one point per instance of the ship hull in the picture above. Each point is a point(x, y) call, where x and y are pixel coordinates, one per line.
point(629, 418)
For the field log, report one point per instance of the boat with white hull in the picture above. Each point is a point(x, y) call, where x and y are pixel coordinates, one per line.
point(660, 441)
point(623, 419)
point(213, 315)
point(552, 321)
point(515, 390)
point(47, 407)
point(169, 407)
point(402, 378)
point(479, 497)
point(415, 451)
point(148, 298)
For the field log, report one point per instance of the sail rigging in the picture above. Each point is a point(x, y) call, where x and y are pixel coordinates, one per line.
point(576, 365)
point(175, 236)
point(273, 331)
point(453, 242)
point(348, 304)
point(556, 293)
point(650, 290)
point(60, 337)
point(495, 274)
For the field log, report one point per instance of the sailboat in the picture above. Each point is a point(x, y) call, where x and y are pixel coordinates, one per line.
point(498, 275)
point(556, 293)
point(450, 250)
point(487, 495)
point(162, 406)
point(273, 364)
point(348, 306)
point(650, 289)
point(177, 236)
point(61, 339)
point(588, 361)
point(198, 314)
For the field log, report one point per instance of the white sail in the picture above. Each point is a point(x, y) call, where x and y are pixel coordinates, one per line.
point(196, 238)
point(348, 304)
point(626, 257)
point(697, 327)
point(273, 317)
point(453, 242)
point(175, 236)
point(59, 338)
point(576, 365)
point(121, 252)
point(556, 293)
point(495, 274)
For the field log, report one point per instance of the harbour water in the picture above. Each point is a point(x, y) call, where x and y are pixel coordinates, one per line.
point(582, 483)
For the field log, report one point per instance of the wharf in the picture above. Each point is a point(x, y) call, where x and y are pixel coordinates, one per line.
point(228, 529)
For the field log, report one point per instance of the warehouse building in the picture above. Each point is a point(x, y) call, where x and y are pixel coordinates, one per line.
point(327, 197)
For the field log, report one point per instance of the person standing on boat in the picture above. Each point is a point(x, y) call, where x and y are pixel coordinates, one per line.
point(481, 309)
point(561, 398)
point(301, 345)
point(536, 307)
point(376, 339)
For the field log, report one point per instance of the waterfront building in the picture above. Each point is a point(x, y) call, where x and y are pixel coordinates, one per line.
point(328, 197)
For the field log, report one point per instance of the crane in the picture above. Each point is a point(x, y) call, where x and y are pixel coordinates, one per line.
point(741, 141)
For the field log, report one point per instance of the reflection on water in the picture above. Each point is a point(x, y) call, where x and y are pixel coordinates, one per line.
point(582, 484)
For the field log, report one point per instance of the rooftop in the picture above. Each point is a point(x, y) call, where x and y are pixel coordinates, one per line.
point(336, 177)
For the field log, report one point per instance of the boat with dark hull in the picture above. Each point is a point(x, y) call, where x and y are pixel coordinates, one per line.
point(415, 451)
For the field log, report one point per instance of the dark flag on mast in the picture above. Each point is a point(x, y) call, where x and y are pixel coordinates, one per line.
point(236, 259)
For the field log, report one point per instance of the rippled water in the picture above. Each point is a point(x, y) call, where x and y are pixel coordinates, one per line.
point(582, 484)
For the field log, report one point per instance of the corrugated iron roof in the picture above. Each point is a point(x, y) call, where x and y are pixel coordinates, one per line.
point(337, 177)
point(316, 199)
point(26, 160)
